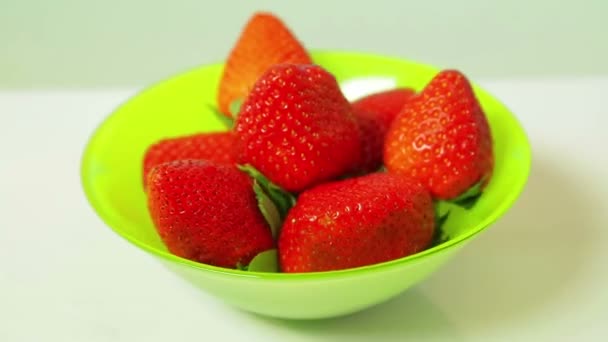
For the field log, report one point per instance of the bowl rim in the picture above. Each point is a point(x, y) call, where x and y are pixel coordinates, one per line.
point(112, 221)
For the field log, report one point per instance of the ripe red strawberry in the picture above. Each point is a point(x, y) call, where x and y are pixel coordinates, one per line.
point(297, 128)
point(374, 114)
point(264, 41)
point(442, 138)
point(216, 147)
point(207, 212)
point(385, 105)
point(356, 222)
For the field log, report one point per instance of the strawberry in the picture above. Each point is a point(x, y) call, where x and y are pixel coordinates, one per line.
point(297, 128)
point(442, 138)
point(207, 212)
point(356, 222)
point(217, 147)
point(264, 41)
point(385, 105)
point(374, 113)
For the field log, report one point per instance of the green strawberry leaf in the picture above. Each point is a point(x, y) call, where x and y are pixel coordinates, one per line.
point(468, 199)
point(228, 122)
point(235, 108)
point(268, 209)
point(441, 216)
point(266, 261)
point(282, 199)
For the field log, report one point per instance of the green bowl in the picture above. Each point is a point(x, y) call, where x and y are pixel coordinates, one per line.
point(111, 177)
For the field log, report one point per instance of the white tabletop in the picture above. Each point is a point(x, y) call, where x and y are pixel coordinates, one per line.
point(539, 274)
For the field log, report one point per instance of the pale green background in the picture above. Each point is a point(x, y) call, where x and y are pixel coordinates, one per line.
point(69, 43)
